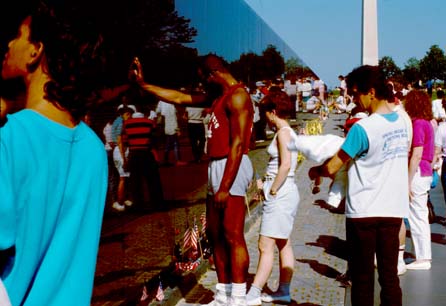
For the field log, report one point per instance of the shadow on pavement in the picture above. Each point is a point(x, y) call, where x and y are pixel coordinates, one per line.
point(332, 245)
point(322, 269)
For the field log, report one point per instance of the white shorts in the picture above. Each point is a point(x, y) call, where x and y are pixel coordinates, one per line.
point(119, 162)
point(244, 176)
point(279, 211)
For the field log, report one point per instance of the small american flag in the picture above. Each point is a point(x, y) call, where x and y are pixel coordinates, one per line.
point(203, 223)
point(160, 293)
point(195, 235)
point(187, 238)
point(144, 295)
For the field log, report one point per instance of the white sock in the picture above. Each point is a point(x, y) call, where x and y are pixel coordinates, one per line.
point(254, 292)
point(224, 289)
point(238, 289)
point(401, 251)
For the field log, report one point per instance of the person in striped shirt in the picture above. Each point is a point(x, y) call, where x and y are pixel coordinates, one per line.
point(141, 162)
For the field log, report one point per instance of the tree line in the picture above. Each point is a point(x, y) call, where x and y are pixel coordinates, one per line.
point(431, 67)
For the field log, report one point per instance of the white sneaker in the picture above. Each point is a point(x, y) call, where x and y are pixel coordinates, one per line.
point(401, 266)
point(128, 203)
point(118, 207)
point(273, 298)
point(253, 301)
point(419, 265)
point(237, 301)
point(219, 301)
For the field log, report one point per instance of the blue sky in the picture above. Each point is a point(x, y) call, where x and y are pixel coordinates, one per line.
point(326, 34)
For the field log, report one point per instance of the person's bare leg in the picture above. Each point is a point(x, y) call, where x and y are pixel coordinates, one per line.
point(264, 268)
point(266, 260)
point(121, 190)
point(233, 224)
point(218, 241)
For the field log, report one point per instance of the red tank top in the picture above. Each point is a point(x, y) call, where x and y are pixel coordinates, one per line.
point(219, 131)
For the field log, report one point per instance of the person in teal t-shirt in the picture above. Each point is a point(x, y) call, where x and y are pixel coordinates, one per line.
point(53, 169)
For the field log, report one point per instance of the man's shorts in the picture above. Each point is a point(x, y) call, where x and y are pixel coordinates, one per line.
point(244, 176)
point(119, 162)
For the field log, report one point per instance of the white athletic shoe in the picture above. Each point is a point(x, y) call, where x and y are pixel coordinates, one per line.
point(419, 265)
point(401, 266)
point(118, 207)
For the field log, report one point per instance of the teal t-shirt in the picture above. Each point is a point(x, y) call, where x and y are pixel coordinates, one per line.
point(53, 182)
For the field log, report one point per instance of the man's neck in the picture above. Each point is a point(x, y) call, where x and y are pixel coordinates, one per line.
point(35, 100)
point(382, 107)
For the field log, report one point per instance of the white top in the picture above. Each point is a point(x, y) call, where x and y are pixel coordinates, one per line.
point(194, 114)
point(306, 89)
point(440, 137)
point(290, 89)
point(273, 152)
point(169, 112)
point(377, 181)
point(438, 110)
point(107, 131)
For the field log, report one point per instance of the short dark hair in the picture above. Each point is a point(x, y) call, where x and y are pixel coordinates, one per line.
point(366, 77)
point(212, 62)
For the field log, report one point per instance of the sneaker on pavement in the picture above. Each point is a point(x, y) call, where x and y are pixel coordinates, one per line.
point(237, 301)
point(401, 266)
point(219, 300)
point(277, 299)
point(419, 265)
point(252, 301)
point(128, 203)
point(118, 207)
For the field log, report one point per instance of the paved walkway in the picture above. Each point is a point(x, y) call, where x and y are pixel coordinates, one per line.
point(137, 246)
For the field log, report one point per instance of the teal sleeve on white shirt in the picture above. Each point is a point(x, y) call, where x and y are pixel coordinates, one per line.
point(357, 143)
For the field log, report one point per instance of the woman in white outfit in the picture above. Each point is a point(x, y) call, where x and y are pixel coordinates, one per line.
point(420, 176)
point(280, 205)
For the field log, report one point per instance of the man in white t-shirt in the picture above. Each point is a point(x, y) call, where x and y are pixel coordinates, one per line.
point(171, 131)
point(437, 106)
point(306, 93)
point(378, 190)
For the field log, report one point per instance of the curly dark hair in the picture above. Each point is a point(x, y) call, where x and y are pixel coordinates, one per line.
point(276, 100)
point(366, 77)
point(418, 105)
point(73, 55)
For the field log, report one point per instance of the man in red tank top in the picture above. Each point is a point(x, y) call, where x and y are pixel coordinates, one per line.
point(230, 171)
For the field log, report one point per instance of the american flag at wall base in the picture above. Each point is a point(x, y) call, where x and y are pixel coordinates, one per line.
point(144, 295)
point(187, 238)
point(160, 293)
point(203, 223)
point(195, 235)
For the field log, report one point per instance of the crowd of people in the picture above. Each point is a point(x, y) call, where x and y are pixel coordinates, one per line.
point(53, 169)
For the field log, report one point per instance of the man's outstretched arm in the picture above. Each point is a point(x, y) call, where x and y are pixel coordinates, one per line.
point(164, 94)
